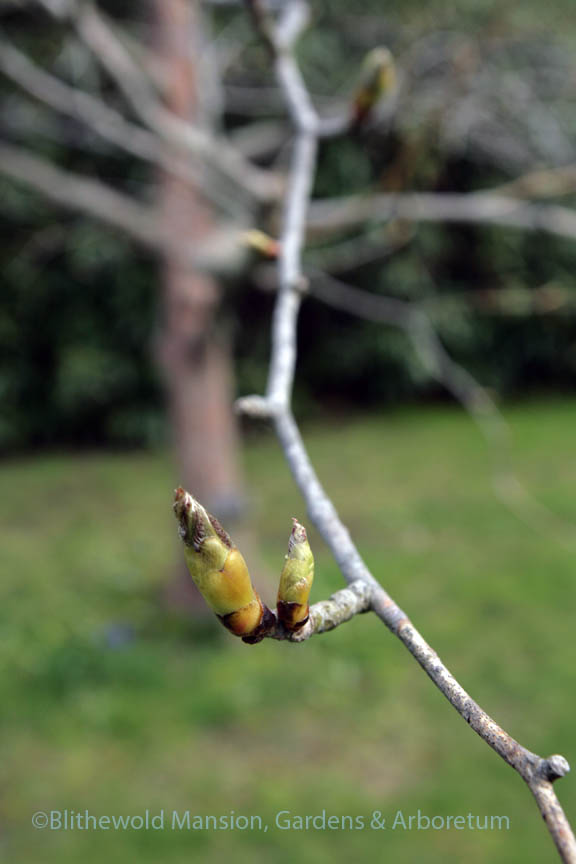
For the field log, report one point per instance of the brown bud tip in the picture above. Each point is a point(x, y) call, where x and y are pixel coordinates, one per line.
point(298, 534)
point(192, 518)
point(179, 499)
point(181, 508)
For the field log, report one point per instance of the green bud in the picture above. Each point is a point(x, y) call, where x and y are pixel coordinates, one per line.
point(296, 580)
point(377, 81)
point(219, 570)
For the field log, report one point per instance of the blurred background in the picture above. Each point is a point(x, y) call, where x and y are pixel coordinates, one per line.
point(139, 139)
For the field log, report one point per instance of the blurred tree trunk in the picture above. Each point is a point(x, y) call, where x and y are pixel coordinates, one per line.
point(193, 349)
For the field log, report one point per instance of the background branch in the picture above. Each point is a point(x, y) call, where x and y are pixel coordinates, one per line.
point(330, 215)
point(77, 103)
point(225, 249)
point(103, 40)
point(413, 318)
point(106, 122)
point(546, 183)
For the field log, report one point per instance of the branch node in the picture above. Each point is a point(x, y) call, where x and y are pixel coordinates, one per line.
point(554, 767)
point(342, 606)
point(257, 406)
point(302, 285)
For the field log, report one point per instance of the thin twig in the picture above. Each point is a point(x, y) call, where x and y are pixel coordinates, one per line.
point(263, 23)
point(545, 183)
point(537, 772)
point(102, 39)
point(224, 249)
point(302, 169)
point(367, 247)
point(413, 318)
point(103, 120)
point(486, 208)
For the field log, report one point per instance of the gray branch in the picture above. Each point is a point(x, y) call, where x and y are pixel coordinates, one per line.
point(107, 123)
point(102, 39)
point(413, 318)
point(223, 249)
point(538, 773)
point(332, 215)
point(74, 102)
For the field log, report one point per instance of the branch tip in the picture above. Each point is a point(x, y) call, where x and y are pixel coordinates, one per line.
point(256, 406)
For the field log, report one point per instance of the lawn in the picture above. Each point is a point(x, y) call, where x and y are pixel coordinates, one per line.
point(113, 704)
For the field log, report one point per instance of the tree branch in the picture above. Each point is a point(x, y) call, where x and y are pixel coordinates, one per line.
point(415, 321)
point(538, 773)
point(546, 183)
point(331, 215)
point(76, 103)
point(101, 38)
point(104, 121)
point(224, 249)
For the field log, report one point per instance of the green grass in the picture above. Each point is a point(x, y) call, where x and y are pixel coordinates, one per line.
point(109, 703)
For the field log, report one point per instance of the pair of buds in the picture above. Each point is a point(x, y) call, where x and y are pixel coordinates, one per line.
point(220, 573)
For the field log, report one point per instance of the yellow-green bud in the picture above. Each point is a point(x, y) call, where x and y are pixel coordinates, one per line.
point(219, 570)
point(377, 80)
point(261, 243)
point(296, 580)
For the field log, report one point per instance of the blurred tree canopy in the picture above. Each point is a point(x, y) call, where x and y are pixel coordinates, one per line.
point(486, 95)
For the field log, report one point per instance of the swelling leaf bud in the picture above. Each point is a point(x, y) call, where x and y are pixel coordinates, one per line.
point(261, 243)
point(219, 571)
point(296, 580)
point(377, 81)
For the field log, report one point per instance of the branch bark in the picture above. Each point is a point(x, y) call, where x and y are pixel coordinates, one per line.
point(328, 614)
point(537, 772)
